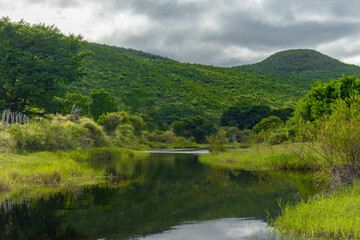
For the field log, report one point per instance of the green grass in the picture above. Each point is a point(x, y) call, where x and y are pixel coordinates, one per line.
point(334, 216)
point(55, 168)
point(261, 156)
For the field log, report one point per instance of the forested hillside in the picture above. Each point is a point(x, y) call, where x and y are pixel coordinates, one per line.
point(145, 82)
point(304, 64)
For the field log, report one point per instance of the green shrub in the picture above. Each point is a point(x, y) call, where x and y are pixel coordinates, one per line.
point(168, 137)
point(7, 143)
point(29, 137)
point(110, 121)
point(124, 135)
point(95, 133)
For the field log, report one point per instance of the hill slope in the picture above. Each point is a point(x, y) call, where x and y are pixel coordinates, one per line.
point(147, 83)
point(304, 63)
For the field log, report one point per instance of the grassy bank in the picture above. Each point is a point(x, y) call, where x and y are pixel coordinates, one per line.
point(55, 168)
point(261, 156)
point(334, 216)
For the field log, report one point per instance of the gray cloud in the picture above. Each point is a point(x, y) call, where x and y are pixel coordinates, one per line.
point(223, 33)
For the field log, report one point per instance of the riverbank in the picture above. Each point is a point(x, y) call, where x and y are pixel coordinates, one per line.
point(55, 168)
point(262, 156)
point(333, 216)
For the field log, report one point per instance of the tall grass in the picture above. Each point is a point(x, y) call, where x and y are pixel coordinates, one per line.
point(335, 216)
point(44, 168)
point(261, 156)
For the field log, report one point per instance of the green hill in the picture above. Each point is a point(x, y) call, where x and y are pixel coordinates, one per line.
point(148, 83)
point(304, 64)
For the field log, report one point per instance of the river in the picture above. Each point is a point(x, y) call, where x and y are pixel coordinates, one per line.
point(167, 195)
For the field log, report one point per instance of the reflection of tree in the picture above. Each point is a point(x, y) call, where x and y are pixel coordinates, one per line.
point(174, 189)
point(37, 220)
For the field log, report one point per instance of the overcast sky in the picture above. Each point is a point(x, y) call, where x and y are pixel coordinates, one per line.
point(213, 32)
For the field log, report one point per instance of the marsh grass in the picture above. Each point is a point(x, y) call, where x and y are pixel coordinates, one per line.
point(331, 216)
point(262, 156)
point(44, 168)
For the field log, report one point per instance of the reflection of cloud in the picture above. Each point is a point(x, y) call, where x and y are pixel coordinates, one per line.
point(211, 32)
point(224, 229)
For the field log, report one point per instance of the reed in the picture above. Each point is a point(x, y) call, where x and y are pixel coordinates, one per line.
point(328, 216)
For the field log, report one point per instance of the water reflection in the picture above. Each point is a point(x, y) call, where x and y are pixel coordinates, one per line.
point(154, 194)
point(225, 229)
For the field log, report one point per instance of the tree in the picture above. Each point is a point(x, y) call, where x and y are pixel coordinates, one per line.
point(101, 102)
point(197, 127)
point(244, 119)
point(335, 139)
point(35, 60)
point(318, 100)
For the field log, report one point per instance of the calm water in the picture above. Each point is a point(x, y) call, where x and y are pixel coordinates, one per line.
point(163, 196)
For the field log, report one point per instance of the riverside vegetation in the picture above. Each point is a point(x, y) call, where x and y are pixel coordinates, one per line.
point(87, 100)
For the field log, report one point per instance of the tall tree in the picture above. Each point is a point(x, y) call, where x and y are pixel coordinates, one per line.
point(35, 60)
point(101, 102)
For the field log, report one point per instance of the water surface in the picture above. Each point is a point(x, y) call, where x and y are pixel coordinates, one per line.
point(163, 196)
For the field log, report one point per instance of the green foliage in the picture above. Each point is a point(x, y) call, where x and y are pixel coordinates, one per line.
point(171, 90)
point(57, 134)
point(101, 102)
point(110, 121)
point(336, 138)
point(303, 64)
point(269, 123)
point(216, 142)
point(318, 100)
point(35, 61)
point(197, 127)
point(244, 119)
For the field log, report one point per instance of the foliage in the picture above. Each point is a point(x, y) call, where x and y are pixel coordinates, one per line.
point(244, 119)
point(171, 90)
point(269, 123)
point(110, 121)
point(336, 138)
point(101, 102)
point(304, 64)
point(57, 134)
point(318, 100)
point(35, 61)
point(197, 127)
point(216, 142)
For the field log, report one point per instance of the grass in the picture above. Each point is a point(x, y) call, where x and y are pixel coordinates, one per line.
point(261, 156)
point(334, 216)
point(55, 168)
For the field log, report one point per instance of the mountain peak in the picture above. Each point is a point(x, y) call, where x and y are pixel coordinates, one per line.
point(297, 61)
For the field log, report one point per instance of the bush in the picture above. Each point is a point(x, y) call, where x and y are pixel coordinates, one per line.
point(336, 138)
point(168, 137)
point(124, 136)
point(7, 143)
point(110, 121)
point(95, 133)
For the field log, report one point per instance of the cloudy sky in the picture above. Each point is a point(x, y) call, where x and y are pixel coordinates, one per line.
point(214, 32)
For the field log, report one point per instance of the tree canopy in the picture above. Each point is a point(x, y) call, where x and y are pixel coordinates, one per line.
point(35, 60)
point(319, 99)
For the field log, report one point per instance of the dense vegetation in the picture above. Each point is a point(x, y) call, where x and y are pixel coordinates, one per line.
point(304, 65)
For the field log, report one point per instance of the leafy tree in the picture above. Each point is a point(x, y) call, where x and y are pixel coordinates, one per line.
point(318, 100)
point(197, 127)
point(244, 119)
point(35, 60)
point(269, 123)
point(101, 102)
point(335, 139)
